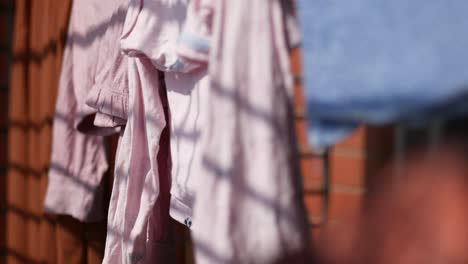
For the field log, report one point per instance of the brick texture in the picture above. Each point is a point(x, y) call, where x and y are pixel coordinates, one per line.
point(3, 67)
point(352, 166)
point(6, 11)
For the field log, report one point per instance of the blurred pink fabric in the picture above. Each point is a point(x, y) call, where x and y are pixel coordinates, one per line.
point(91, 62)
point(249, 205)
point(195, 40)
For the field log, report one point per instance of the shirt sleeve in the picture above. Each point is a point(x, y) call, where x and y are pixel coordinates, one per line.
point(194, 41)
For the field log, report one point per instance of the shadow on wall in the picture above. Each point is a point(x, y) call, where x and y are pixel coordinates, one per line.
point(6, 18)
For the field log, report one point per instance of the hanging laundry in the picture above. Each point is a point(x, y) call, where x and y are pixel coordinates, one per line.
point(152, 31)
point(90, 62)
point(188, 105)
point(195, 39)
point(381, 62)
point(109, 93)
point(139, 226)
point(187, 95)
point(249, 207)
point(139, 221)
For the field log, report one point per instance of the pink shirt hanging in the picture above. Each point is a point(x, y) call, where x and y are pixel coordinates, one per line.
point(249, 206)
point(91, 62)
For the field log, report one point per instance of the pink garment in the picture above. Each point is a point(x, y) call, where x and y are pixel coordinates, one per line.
point(249, 206)
point(109, 94)
point(188, 106)
point(139, 226)
point(188, 95)
point(79, 160)
point(152, 30)
point(195, 40)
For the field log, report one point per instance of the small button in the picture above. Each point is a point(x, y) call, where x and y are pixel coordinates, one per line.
point(188, 222)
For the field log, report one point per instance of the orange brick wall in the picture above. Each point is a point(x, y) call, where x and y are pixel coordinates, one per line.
point(6, 12)
point(352, 165)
